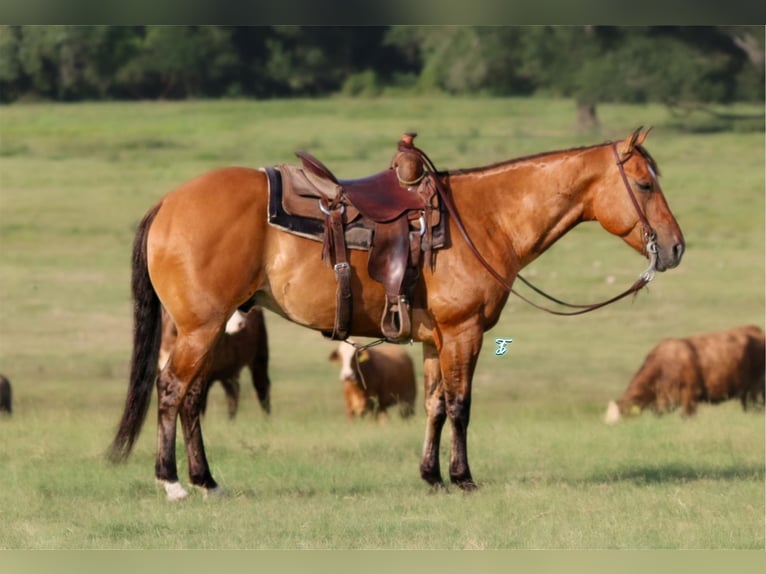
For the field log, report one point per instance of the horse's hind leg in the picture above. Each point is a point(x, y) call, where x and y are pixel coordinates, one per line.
point(259, 371)
point(165, 469)
point(199, 470)
point(231, 388)
point(436, 413)
point(259, 365)
point(184, 372)
point(208, 383)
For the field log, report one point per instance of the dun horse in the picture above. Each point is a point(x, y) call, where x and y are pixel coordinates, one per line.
point(206, 248)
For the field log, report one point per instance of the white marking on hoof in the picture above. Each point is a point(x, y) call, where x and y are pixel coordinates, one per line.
point(612, 413)
point(174, 490)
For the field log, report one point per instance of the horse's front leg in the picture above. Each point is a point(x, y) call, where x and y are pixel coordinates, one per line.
point(458, 357)
point(436, 414)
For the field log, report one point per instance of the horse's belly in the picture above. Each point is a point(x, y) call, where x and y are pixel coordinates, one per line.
point(302, 288)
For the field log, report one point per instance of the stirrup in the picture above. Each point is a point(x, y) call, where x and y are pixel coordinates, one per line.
point(395, 323)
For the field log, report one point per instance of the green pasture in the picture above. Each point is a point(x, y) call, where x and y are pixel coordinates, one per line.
point(74, 181)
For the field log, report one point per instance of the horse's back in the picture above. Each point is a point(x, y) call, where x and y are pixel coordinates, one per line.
point(218, 194)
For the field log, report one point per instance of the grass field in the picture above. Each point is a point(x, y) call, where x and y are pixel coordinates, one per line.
point(75, 180)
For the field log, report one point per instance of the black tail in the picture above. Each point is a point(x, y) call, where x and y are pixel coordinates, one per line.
point(147, 336)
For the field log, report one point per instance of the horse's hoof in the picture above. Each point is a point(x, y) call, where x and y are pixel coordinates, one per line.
point(467, 485)
point(215, 492)
point(174, 491)
point(433, 478)
point(438, 487)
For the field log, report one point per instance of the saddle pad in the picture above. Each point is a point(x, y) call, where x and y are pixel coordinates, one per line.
point(358, 236)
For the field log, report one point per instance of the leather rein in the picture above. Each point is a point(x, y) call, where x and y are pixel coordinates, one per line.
point(649, 237)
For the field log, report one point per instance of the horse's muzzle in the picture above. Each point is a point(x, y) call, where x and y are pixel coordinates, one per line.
point(670, 258)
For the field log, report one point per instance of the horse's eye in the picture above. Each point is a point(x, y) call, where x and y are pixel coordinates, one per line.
point(644, 185)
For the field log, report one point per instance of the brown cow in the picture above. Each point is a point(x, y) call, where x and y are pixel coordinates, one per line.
point(377, 379)
point(244, 343)
point(711, 367)
point(5, 395)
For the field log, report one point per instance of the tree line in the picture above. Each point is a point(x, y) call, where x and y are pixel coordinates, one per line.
point(592, 64)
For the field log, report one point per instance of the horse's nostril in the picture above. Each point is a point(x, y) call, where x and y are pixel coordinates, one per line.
point(678, 251)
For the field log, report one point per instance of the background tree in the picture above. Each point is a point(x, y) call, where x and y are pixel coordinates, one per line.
point(683, 67)
point(180, 61)
point(462, 59)
point(58, 62)
point(569, 62)
point(11, 79)
point(672, 65)
point(309, 60)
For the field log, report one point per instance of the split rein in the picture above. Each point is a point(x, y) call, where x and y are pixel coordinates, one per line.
point(649, 237)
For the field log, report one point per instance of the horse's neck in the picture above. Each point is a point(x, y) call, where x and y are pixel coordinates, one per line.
point(531, 202)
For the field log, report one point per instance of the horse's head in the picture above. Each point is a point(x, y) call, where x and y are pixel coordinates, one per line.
point(630, 203)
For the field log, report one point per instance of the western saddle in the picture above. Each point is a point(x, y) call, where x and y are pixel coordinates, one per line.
point(395, 215)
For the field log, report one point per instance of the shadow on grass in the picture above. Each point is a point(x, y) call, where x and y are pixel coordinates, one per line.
point(679, 473)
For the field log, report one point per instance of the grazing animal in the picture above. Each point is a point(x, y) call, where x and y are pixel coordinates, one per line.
point(207, 247)
point(711, 368)
point(5, 395)
point(375, 379)
point(244, 343)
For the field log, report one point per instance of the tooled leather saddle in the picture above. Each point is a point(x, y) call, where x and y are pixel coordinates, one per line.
point(395, 215)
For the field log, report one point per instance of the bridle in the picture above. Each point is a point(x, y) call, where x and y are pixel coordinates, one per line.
point(650, 238)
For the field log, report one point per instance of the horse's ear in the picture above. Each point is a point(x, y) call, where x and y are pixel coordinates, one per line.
point(636, 138)
point(641, 136)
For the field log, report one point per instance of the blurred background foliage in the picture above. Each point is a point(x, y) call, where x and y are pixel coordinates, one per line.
point(682, 67)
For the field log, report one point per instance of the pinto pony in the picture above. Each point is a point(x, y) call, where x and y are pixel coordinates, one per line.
point(206, 248)
point(376, 379)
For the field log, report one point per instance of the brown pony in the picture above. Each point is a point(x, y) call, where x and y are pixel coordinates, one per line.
point(708, 367)
point(206, 247)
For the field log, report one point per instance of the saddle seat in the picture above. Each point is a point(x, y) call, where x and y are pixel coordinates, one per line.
point(380, 197)
point(396, 219)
